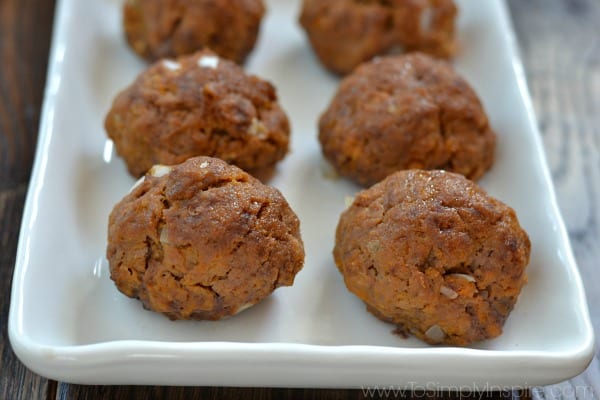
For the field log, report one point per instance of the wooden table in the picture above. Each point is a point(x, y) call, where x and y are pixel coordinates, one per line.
point(560, 45)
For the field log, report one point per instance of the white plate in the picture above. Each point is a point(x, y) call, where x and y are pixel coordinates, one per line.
point(68, 322)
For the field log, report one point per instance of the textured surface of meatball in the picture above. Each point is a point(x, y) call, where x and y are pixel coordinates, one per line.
point(198, 105)
point(169, 28)
point(346, 33)
point(403, 112)
point(202, 240)
point(431, 252)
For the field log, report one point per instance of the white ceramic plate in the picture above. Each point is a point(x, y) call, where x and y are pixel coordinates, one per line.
point(68, 322)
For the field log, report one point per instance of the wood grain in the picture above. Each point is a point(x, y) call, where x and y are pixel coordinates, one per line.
point(16, 382)
point(560, 47)
point(25, 27)
point(179, 393)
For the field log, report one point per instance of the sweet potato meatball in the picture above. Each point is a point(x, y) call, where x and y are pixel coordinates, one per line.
point(198, 105)
point(202, 240)
point(346, 33)
point(431, 252)
point(403, 112)
point(170, 28)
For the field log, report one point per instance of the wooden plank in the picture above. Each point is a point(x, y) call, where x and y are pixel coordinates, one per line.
point(185, 393)
point(25, 27)
point(25, 30)
point(560, 47)
point(16, 381)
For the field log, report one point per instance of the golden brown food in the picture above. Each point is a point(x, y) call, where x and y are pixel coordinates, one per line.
point(431, 252)
point(170, 28)
point(198, 105)
point(403, 112)
point(346, 33)
point(202, 240)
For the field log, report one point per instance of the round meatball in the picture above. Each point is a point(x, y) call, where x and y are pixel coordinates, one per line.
point(431, 252)
point(346, 33)
point(403, 112)
point(198, 105)
point(202, 240)
point(169, 28)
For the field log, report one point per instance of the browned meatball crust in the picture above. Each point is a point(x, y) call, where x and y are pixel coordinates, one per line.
point(198, 105)
point(431, 252)
point(202, 240)
point(403, 112)
point(346, 33)
point(169, 28)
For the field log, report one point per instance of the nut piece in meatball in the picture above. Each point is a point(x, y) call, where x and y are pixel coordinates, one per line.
point(199, 105)
point(406, 112)
point(202, 240)
point(431, 252)
point(170, 28)
point(346, 33)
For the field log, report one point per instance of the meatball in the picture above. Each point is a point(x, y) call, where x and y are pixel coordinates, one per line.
point(431, 252)
point(198, 105)
point(345, 33)
point(202, 240)
point(170, 28)
point(403, 112)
